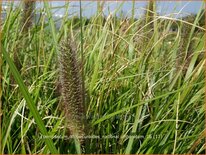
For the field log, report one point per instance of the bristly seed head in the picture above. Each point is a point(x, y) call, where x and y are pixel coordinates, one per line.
point(71, 89)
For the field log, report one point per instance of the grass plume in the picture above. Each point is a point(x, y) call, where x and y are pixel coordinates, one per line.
point(71, 89)
point(28, 13)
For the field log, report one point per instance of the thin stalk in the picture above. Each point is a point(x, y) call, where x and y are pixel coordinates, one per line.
point(176, 125)
point(82, 52)
point(133, 11)
point(82, 61)
point(205, 87)
point(0, 82)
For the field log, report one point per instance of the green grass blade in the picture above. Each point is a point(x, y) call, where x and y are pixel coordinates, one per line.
point(134, 129)
point(29, 101)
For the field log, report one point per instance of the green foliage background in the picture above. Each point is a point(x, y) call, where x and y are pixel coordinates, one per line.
point(144, 80)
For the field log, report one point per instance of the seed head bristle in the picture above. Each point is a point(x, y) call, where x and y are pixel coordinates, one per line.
point(71, 89)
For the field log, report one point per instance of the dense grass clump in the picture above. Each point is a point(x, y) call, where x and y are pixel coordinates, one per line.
point(144, 83)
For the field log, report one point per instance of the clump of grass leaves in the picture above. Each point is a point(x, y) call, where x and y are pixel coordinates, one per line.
point(142, 98)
